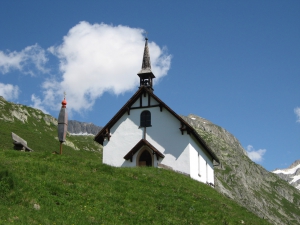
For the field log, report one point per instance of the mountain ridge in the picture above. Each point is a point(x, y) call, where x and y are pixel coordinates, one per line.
point(82, 128)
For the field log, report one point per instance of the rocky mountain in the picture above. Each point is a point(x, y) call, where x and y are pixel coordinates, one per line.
point(81, 128)
point(291, 174)
point(246, 182)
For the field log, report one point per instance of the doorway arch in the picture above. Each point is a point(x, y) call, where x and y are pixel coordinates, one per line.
point(144, 158)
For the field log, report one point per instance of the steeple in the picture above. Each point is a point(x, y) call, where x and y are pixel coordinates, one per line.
point(146, 74)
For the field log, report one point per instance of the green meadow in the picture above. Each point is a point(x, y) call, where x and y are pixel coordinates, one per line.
point(45, 188)
point(40, 187)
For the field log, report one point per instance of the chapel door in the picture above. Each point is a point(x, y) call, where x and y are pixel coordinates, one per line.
point(145, 159)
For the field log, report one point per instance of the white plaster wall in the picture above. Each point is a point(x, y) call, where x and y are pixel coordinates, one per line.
point(210, 172)
point(136, 104)
point(125, 134)
point(167, 138)
point(196, 173)
point(203, 172)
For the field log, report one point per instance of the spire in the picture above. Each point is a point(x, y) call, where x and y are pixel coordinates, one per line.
point(145, 73)
point(146, 66)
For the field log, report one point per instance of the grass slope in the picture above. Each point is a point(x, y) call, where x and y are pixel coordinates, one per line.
point(76, 188)
point(71, 189)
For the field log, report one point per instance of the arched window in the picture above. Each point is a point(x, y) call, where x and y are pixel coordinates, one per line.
point(145, 119)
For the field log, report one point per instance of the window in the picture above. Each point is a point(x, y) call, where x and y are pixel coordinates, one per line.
point(145, 119)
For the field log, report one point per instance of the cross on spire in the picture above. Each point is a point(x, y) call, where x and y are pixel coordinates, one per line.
point(146, 34)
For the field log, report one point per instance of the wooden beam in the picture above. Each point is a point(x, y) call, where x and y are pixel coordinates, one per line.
point(107, 134)
point(149, 100)
point(60, 149)
point(151, 106)
point(128, 110)
point(182, 128)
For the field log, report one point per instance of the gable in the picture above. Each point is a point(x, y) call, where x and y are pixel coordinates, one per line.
point(145, 99)
point(141, 144)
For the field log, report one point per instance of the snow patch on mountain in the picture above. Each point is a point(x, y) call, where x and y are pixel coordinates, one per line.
point(291, 174)
point(288, 171)
point(295, 178)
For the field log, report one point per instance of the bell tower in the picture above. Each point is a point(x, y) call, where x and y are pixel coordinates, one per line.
point(146, 74)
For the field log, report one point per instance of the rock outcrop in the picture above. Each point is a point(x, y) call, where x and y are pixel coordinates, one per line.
point(75, 127)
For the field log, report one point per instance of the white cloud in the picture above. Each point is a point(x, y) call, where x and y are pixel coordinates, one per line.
point(297, 112)
point(255, 155)
point(38, 104)
point(23, 60)
point(98, 58)
point(9, 92)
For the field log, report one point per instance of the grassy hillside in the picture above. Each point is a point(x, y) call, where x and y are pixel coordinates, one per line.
point(76, 188)
point(38, 129)
point(42, 188)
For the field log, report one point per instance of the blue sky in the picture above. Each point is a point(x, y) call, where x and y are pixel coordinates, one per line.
point(235, 63)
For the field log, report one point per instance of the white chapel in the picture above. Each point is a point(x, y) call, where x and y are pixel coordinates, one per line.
point(146, 132)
